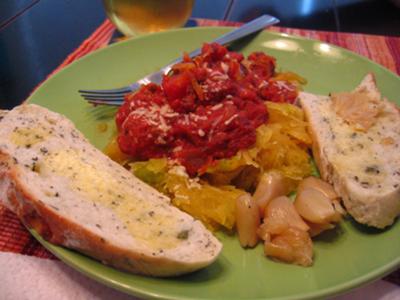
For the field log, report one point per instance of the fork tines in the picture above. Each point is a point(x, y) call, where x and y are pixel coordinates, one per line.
point(105, 102)
point(124, 90)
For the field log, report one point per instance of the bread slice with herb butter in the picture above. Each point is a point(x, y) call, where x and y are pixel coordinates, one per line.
point(75, 196)
point(2, 113)
point(356, 138)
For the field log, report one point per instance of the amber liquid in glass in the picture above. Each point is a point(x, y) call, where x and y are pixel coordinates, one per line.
point(133, 17)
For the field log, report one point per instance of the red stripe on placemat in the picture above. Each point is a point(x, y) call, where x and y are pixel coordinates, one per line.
point(207, 22)
point(99, 39)
point(393, 45)
point(15, 238)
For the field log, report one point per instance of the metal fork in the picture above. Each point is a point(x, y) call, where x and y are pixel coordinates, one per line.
point(116, 96)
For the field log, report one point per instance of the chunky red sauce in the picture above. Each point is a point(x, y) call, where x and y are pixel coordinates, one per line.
point(207, 108)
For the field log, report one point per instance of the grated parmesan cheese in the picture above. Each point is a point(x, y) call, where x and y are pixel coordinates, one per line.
point(227, 122)
point(201, 132)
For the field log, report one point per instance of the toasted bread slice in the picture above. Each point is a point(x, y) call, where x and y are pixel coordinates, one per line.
point(362, 163)
point(2, 113)
point(74, 196)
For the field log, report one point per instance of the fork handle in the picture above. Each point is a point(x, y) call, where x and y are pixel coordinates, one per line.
point(242, 31)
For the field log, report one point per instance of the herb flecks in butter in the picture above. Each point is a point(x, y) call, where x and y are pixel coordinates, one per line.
point(139, 217)
point(183, 235)
point(28, 137)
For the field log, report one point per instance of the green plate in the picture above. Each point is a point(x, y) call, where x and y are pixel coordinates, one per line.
point(344, 259)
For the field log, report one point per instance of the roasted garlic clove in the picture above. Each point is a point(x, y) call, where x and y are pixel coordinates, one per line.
point(318, 184)
point(317, 202)
point(314, 206)
point(316, 229)
point(271, 185)
point(281, 214)
point(263, 233)
point(247, 220)
point(292, 245)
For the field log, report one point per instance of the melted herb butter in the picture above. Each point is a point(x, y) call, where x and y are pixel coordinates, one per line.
point(28, 137)
point(146, 223)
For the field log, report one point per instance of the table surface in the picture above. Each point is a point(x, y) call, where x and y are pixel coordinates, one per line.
point(38, 65)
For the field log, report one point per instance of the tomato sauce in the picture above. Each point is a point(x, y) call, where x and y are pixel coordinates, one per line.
point(207, 108)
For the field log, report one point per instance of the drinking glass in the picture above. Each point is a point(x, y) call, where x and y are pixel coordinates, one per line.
point(136, 17)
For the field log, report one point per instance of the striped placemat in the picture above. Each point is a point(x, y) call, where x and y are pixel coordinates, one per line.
point(384, 50)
